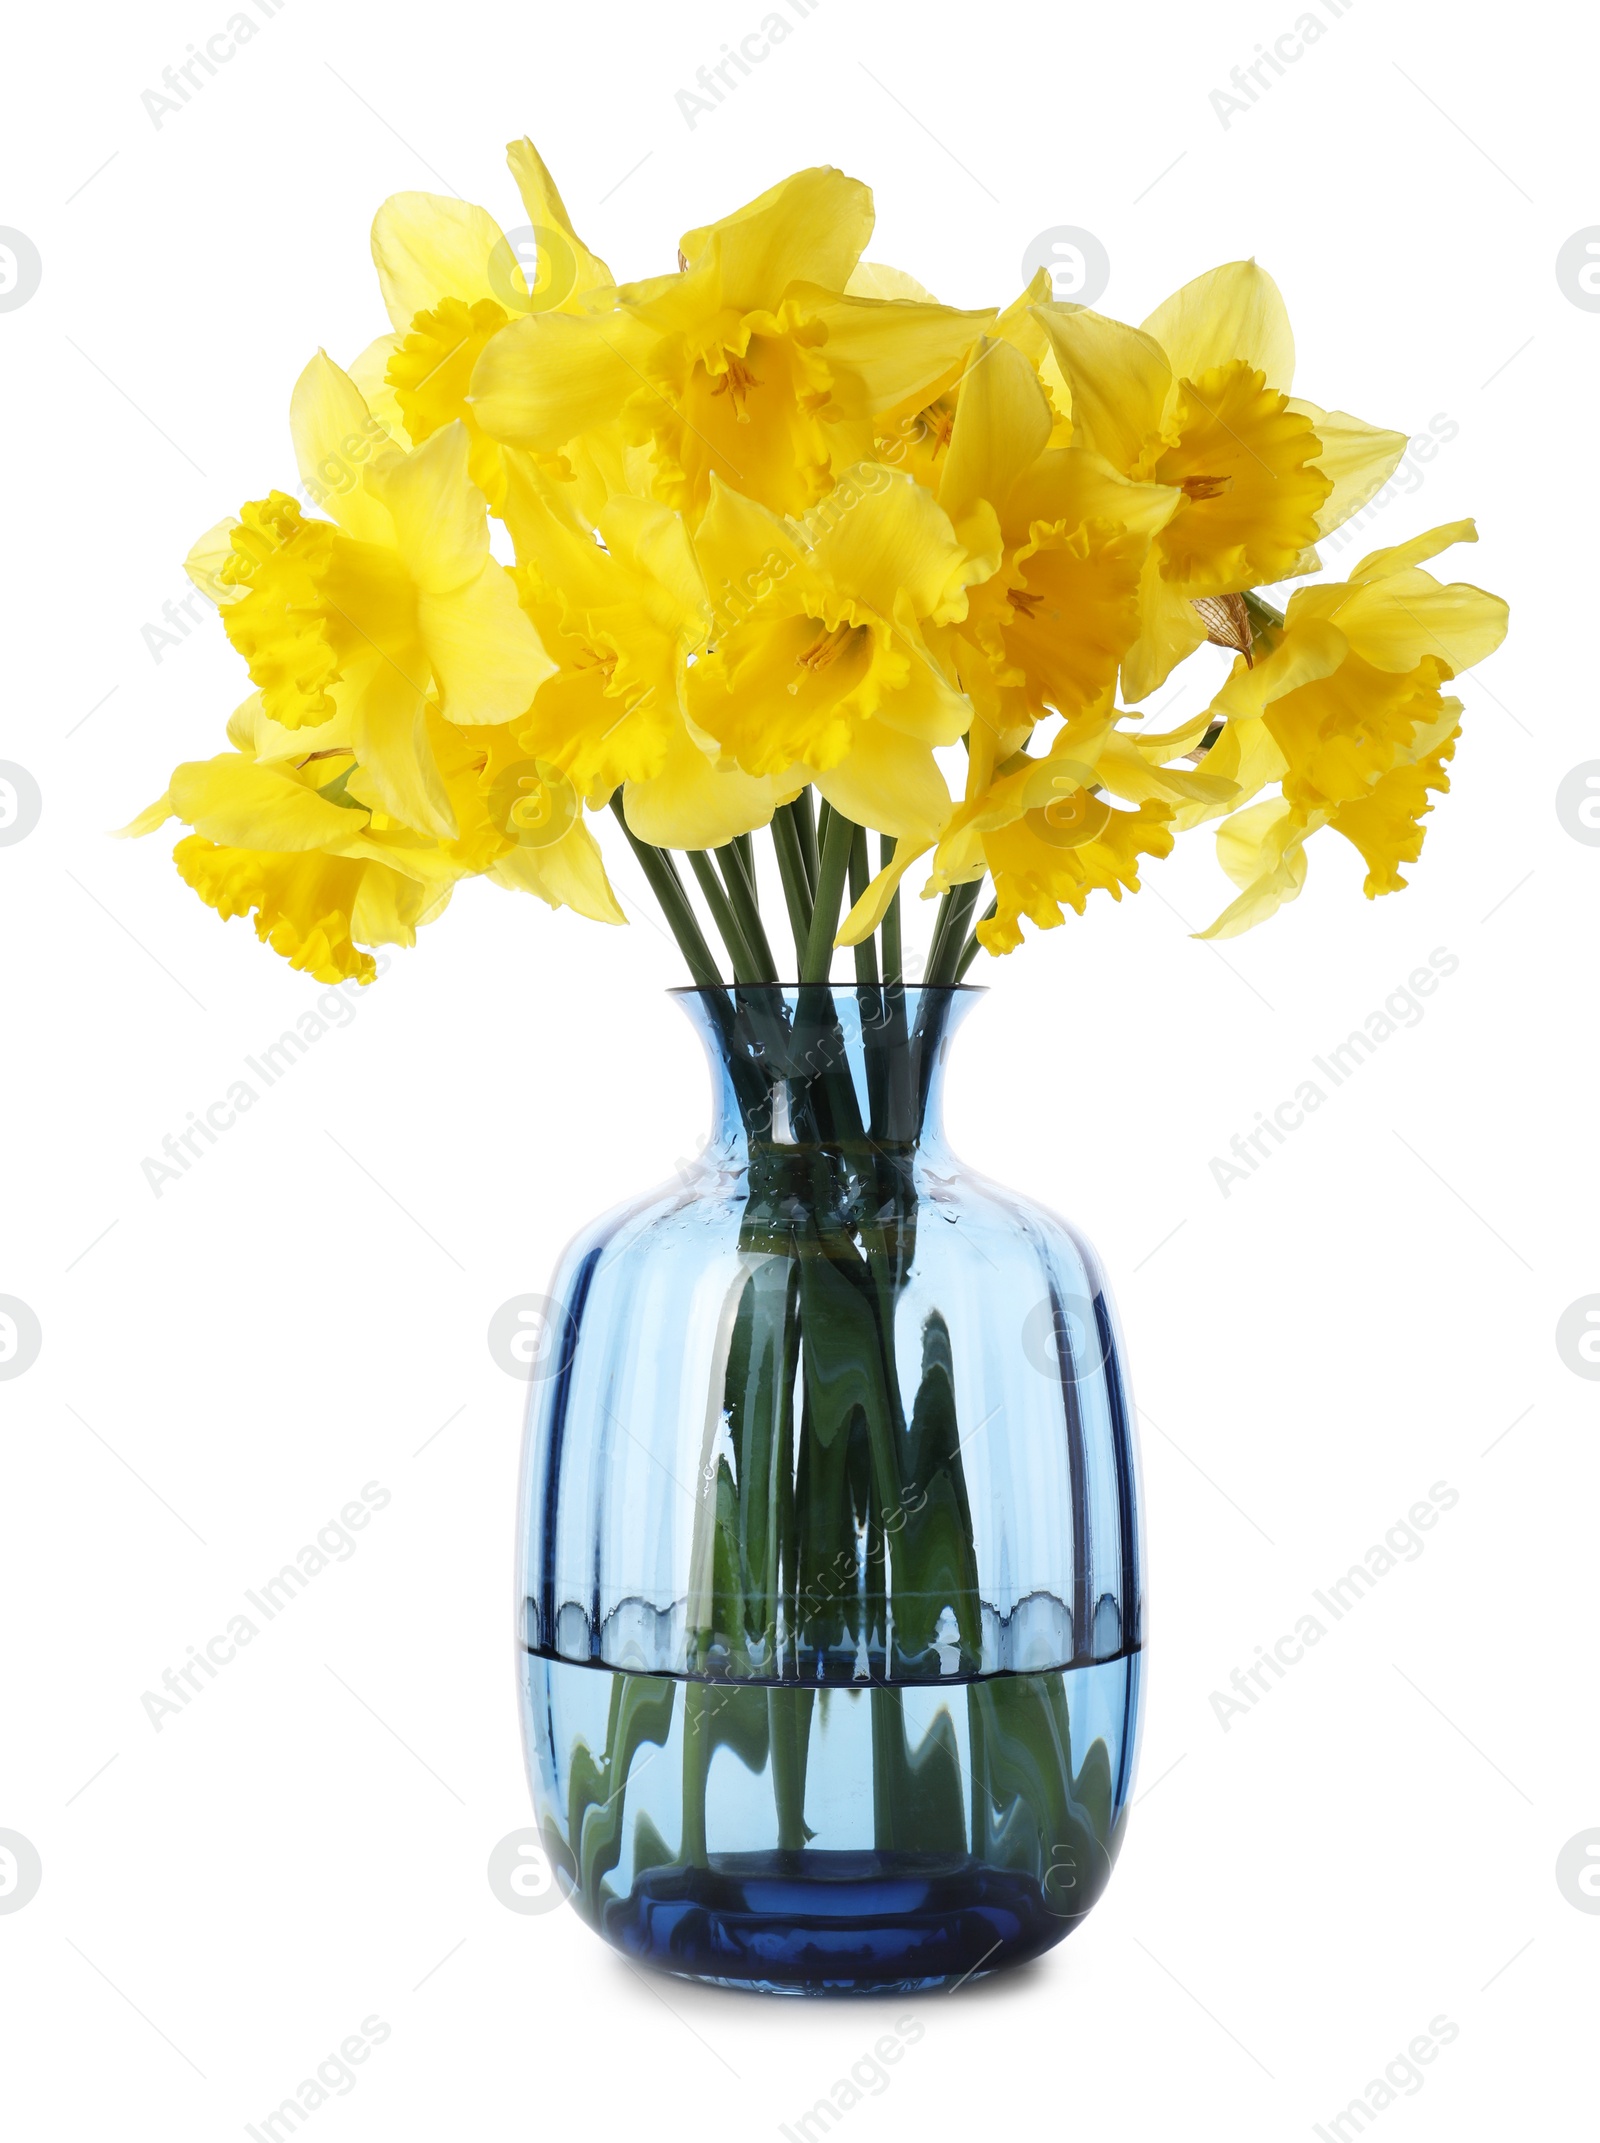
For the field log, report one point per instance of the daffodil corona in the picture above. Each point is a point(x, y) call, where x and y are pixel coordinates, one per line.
point(774, 539)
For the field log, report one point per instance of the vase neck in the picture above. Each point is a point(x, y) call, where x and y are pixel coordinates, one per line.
point(824, 1064)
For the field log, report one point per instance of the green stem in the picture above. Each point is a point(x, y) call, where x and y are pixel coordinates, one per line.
point(860, 875)
point(805, 827)
point(836, 836)
point(746, 846)
point(716, 899)
point(889, 929)
point(740, 881)
point(950, 934)
point(1263, 618)
point(796, 883)
point(972, 948)
point(664, 882)
point(941, 923)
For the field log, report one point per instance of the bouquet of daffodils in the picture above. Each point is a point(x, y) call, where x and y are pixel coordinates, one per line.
point(782, 522)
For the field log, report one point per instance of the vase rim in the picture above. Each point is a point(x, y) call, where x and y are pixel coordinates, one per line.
point(925, 989)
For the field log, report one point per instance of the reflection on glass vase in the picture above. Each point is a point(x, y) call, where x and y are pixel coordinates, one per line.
point(829, 1601)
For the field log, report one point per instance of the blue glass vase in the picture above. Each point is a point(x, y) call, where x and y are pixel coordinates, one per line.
point(830, 1568)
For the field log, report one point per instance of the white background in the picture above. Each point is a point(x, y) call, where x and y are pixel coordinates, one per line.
point(223, 1367)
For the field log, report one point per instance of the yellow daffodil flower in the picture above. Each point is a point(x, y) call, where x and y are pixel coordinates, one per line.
point(280, 832)
point(821, 669)
point(1199, 398)
point(622, 608)
point(781, 519)
point(451, 280)
point(1067, 536)
point(366, 614)
point(1345, 712)
point(752, 365)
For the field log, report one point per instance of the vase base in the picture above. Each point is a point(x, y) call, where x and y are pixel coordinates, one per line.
point(834, 1922)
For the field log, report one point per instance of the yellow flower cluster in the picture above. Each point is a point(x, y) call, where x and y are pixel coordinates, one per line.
point(781, 521)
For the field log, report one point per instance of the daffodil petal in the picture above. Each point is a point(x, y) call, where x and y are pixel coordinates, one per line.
point(891, 782)
point(1002, 426)
point(1262, 849)
point(487, 659)
point(809, 228)
point(388, 907)
point(1396, 622)
point(428, 246)
point(690, 804)
point(151, 817)
point(1415, 553)
point(1170, 629)
point(440, 516)
point(570, 277)
point(893, 542)
point(370, 372)
point(208, 554)
point(870, 910)
point(1313, 650)
point(1236, 311)
point(1357, 458)
point(544, 379)
point(570, 873)
point(872, 279)
point(389, 731)
point(233, 801)
point(899, 352)
point(1119, 378)
point(335, 438)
